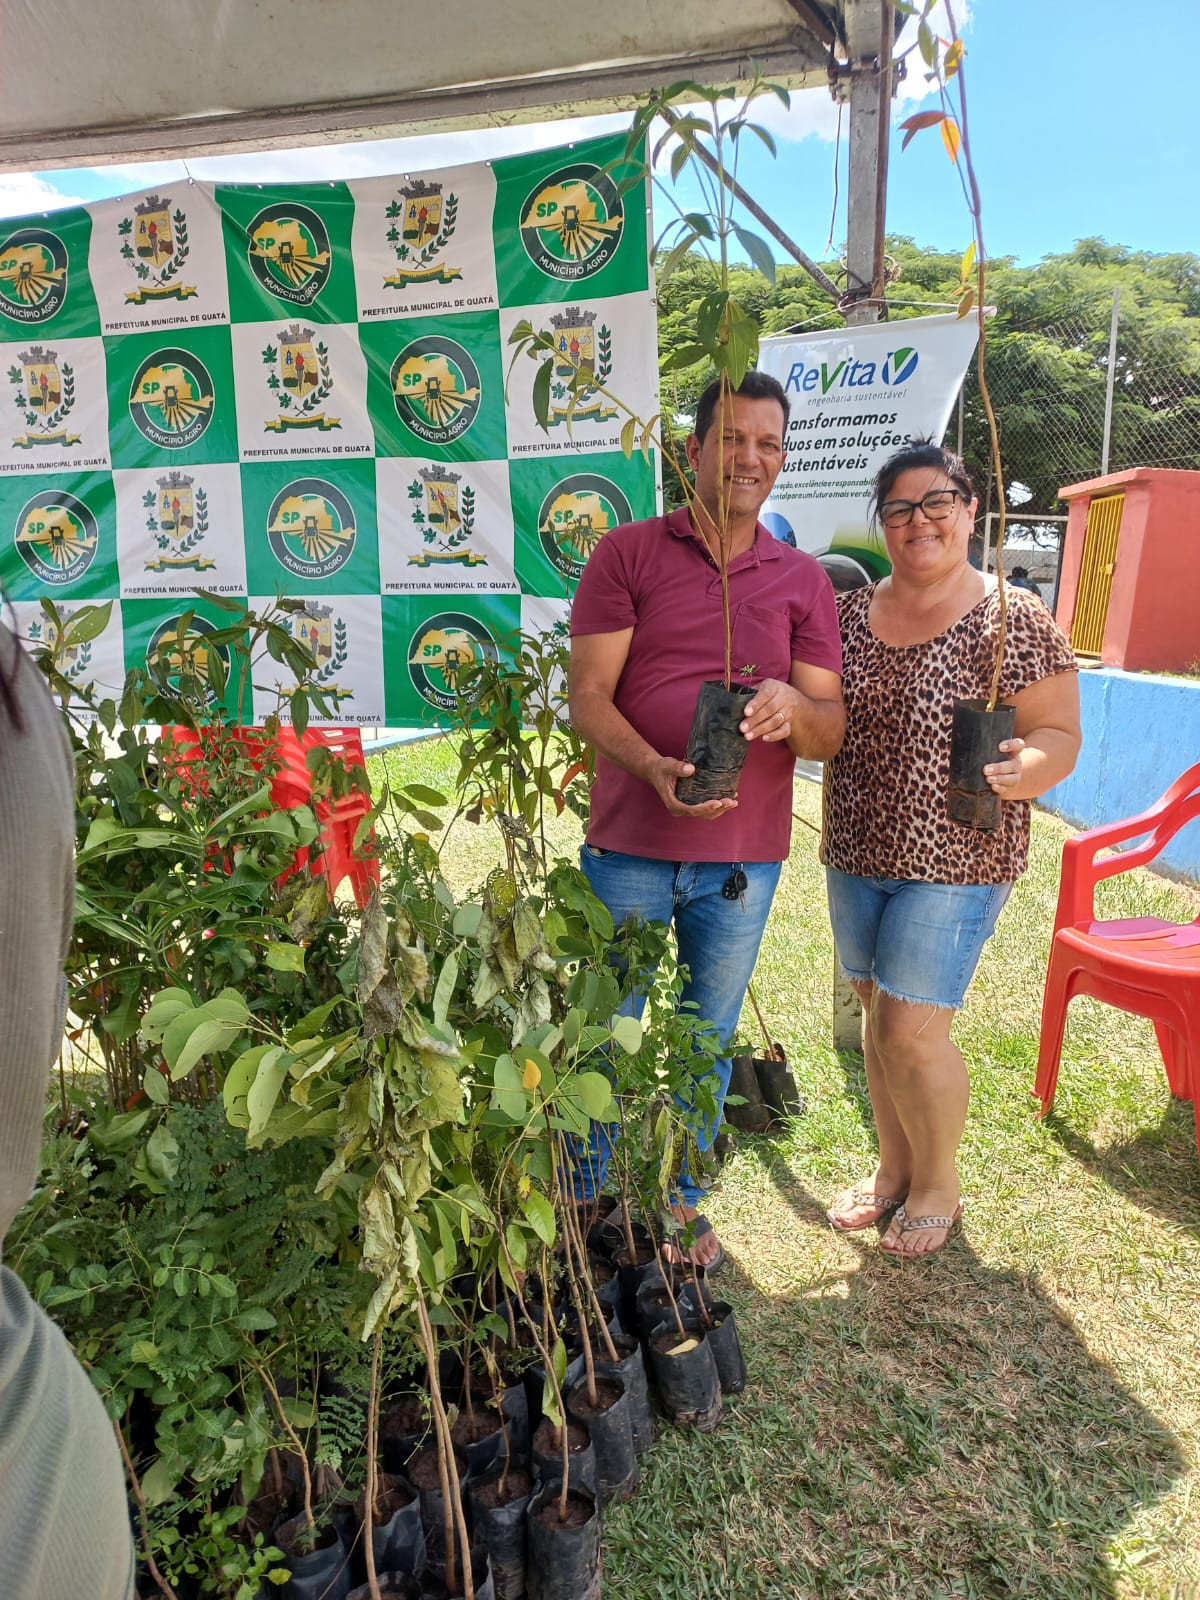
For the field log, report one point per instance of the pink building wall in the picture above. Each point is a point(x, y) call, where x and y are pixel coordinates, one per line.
point(1153, 620)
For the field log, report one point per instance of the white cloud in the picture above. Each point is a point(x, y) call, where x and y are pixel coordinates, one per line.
point(365, 158)
point(25, 192)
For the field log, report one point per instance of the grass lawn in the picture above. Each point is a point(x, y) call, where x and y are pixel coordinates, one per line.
point(1021, 1415)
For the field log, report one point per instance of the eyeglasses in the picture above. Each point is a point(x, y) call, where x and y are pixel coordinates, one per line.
point(937, 506)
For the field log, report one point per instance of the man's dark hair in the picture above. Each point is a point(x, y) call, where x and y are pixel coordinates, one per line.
point(754, 386)
point(1020, 572)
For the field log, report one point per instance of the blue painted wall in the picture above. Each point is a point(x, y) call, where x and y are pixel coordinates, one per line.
point(1140, 732)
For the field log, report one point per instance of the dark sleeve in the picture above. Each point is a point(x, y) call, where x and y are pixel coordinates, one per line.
point(816, 637)
point(604, 600)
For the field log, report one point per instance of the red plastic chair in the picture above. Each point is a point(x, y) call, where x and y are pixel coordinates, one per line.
point(1139, 964)
point(291, 786)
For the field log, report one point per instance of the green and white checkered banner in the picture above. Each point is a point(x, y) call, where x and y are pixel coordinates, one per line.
point(302, 390)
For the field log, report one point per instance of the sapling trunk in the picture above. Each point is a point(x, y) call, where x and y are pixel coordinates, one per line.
point(372, 1447)
point(542, 1340)
point(448, 1478)
point(662, 1267)
point(309, 1519)
point(575, 1244)
point(705, 1316)
point(563, 1430)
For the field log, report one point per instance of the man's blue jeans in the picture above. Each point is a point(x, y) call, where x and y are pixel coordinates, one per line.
point(717, 940)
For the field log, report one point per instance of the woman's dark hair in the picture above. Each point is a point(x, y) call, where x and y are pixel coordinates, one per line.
point(923, 453)
point(754, 386)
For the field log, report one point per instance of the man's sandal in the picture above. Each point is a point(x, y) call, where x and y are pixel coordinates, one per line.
point(909, 1224)
point(700, 1226)
point(880, 1206)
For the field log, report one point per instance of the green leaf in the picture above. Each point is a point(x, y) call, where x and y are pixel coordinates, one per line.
point(559, 1357)
point(285, 957)
point(237, 1084)
point(264, 1091)
point(515, 1240)
point(426, 796)
point(628, 436)
point(541, 1216)
point(144, 1352)
point(212, 1027)
point(298, 705)
point(686, 355)
point(162, 1011)
point(87, 623)
point(594, 1093)
point(444, 989)
point(160, 1480)
point(254, 1319)
point(541, 394)
point(759, 252)
point(156, 1086)
point(627, 1031)
point(120, 1131)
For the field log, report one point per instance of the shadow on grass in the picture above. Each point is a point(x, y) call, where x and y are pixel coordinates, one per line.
point(923, 1431)
point(1158, 1169)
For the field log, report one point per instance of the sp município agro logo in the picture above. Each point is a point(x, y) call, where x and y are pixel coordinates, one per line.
point(442, 653)
point(571, 223)
point(33, 275)
point(171, 399)
point(56, 536)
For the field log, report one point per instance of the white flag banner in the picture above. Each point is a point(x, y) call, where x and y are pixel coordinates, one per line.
point(857, 396)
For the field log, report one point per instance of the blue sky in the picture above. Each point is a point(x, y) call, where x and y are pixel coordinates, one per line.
point(1082, 116)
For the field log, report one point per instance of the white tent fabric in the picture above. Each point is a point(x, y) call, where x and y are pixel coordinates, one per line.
point(84, 82)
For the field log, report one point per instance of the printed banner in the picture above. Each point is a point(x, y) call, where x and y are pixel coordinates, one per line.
point(857, 395)
point(304, 390)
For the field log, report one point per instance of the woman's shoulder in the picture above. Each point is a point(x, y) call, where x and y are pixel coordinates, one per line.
point(853, 603)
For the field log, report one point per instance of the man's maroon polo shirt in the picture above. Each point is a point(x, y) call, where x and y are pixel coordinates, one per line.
point(658, 578)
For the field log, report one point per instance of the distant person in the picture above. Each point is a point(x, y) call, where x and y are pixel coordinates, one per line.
point(64, 1522)
point(1020, 579)
point(913, 896)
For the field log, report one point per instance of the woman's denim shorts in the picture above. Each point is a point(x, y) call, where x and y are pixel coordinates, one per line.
point(914, 941)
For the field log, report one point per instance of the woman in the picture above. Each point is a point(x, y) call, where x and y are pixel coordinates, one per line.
point(912, 895)
point(64, 1525)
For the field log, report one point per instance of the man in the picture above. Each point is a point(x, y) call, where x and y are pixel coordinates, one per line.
point(646, 631)
point(1020, 579)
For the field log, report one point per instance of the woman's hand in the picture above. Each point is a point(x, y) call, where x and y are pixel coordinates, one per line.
point(1004, 776)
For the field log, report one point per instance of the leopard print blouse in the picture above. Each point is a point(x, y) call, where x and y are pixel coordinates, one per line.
point(884, 793)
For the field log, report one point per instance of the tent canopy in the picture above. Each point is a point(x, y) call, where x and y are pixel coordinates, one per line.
point(84, 83)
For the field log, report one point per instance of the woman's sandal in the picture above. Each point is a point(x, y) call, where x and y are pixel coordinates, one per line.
point(909, 1224)
point(881, 1205)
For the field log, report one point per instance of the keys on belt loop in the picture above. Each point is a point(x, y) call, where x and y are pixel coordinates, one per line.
point(736, 884)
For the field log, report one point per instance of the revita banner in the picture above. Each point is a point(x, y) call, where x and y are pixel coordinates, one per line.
point(305, 390)
point(857, 395)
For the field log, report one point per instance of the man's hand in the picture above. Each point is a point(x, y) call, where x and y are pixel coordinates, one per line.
point(664, 772)
point(769, 715)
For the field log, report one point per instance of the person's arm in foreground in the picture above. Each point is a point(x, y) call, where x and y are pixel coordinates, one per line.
point(1046, 742)
point(597, 661)
point(807, 711)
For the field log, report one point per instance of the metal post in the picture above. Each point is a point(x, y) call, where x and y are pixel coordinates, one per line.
point(868, 49)
point(869, 52)
point(1108, 387)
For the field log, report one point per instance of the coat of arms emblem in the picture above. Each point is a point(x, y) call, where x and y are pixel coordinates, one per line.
point(445, 516)
point(422, 224)
point(154, 242)
point(300, 380)
point(178, 520)
point(582, 366)
point(325, 638)
point(45, 395)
